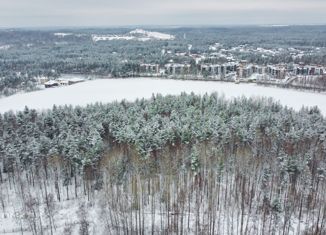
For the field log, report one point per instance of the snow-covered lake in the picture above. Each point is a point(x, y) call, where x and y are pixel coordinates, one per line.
point(107, 90)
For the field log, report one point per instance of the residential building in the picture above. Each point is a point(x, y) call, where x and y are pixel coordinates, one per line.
point(177, 69)
point(149, 68)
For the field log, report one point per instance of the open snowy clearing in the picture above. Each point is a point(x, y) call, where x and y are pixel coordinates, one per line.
point(108, 90)
point(137, 34)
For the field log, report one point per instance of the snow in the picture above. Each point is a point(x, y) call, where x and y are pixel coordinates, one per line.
point(97, 38)
point(98, 208)
point(280, 25)
point(108, 90)
point(51, 82)
point(137, 34)
point(5, 47)
point(267, 51)
point(71, 79)
point(155, 35)
point(143, 39)
point(62, 35)
point(276, 25)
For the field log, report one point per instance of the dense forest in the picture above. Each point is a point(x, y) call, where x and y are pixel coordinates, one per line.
point(26, 54)
point(182, 164)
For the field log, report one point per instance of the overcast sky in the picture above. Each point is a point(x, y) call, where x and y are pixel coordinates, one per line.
point(43, 13)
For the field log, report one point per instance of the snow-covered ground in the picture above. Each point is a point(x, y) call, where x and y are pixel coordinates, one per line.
point(97, 38)
point(137, 34)
point(62, 35)
point(5, 47)
point(108, 90)
point(155, 35)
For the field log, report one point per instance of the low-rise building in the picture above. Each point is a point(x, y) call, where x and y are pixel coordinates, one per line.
point(313, 70)
point(51, 83)
point(276, 71)
point(218, 69)
point(63, 82)
point(245, 71)
point(150, 68)
point(177, 69)
point(259, 69)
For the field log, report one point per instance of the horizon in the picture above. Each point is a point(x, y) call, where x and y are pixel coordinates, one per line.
point(101, 13)
point(153, 26)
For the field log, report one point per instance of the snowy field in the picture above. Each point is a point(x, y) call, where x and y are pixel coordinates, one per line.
point(137, 34)
point(108, 90)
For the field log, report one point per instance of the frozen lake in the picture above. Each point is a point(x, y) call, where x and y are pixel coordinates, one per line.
point(107, 90)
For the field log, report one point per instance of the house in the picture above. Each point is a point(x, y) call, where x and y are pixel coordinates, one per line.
point(63, 82)
point(71, 80)
point(51, 83)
